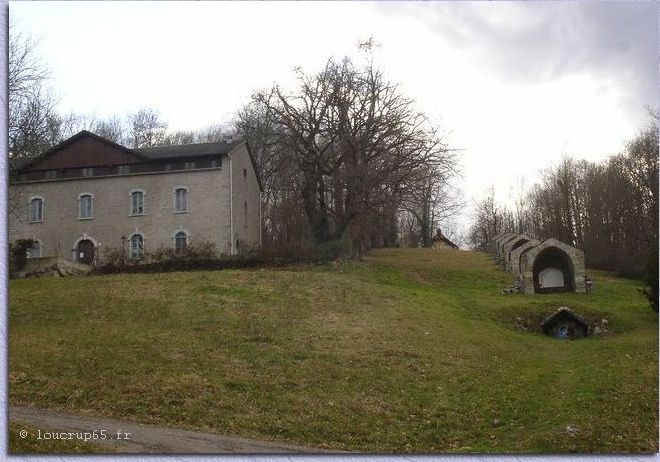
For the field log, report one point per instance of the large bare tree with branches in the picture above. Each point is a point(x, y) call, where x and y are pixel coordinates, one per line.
point(146, 128)
point(32, 119)
point(358, 144)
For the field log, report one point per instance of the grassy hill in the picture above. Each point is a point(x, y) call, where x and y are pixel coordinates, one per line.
point(412, 350)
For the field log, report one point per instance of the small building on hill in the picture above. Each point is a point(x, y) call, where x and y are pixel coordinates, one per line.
point(510, 246)
point(553, 266)
point(565, 324)
point(442, 242)
point(540, 267)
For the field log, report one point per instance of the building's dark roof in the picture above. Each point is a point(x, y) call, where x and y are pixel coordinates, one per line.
point(196, 150)
point(439, 237)
point(148, 154)
point(156, 153)
point(24, 163)
point(561, 314)
point(186, 150)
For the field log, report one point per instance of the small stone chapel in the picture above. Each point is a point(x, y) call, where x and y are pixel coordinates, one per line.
point(550, 266)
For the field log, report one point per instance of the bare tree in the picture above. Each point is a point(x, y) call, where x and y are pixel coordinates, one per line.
point(608, 209)
point(25, 69)
point(489, 220)
point(113, 129)
point(283, 216)
point(217, 132)
point(431, 199)
point(146, 128)
point(356, 142)
point(32, 117)
point(32, 120)
point(641, 168)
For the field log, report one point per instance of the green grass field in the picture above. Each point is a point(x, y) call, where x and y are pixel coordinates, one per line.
point(412, 350)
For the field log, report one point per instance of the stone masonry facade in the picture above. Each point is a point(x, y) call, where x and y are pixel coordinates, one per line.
point(540, 267)
point(218, 202)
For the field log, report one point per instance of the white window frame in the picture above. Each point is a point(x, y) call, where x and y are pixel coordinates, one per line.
point(132, 254)
point(39, 248)
point(131, 209)
point(176, 235)
point(87, 172)
point(80, 206)
point(40, 217)
point(176, 204)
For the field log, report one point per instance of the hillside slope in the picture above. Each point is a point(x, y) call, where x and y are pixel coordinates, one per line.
point(412, 350)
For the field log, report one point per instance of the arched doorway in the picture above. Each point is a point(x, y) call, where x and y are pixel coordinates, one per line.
point(553, 272)
point(85, 251)
point(510, 247)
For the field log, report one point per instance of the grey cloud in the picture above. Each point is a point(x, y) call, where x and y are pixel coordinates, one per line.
point(532, 42)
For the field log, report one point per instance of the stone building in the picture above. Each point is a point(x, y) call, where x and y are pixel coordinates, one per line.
point(89, 194)
point(440, 241)
point(511, 245)
point(540, 267)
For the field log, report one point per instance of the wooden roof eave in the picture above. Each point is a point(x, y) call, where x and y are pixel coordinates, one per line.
point(73, 139)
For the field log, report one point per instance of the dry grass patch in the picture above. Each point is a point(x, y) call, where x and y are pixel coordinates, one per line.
point(409, 351)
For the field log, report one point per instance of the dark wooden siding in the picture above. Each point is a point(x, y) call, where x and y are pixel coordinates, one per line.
point(106, 170)
point(86, 152)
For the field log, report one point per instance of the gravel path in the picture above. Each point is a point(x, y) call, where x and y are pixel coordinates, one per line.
point(129, 437)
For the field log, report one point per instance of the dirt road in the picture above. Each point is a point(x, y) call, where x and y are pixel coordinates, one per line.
point(129, 437)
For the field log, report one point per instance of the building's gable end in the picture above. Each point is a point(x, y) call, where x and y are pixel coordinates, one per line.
point(253, 162)
point(85, 150)
point(440, 242)
point(517, 256)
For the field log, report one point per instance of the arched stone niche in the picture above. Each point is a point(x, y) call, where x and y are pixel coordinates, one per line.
point(565, 324)
point(518, 252)
point(494, 241)
point(552, 266)
point(499, 251)
point(510, 246)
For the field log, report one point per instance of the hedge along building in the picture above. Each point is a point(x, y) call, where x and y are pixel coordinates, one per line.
point(541, 267)
point(89, 194)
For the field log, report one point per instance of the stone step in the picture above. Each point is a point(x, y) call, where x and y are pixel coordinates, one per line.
point(54, 267)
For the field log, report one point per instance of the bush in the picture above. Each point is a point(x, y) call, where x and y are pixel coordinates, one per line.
point(291, 252)
point(197, 251)
point(204, 256)
point(18, 253)
point(332, 250)
point(651, 278)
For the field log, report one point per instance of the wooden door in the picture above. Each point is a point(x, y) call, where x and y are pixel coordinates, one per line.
point(85, 251)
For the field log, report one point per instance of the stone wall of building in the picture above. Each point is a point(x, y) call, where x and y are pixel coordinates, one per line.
point(539, 266)
point(246, 201)
point(206, 219)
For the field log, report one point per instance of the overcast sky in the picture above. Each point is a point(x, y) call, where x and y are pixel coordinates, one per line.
point(515, 85)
